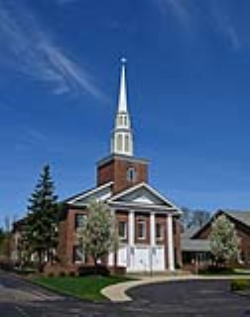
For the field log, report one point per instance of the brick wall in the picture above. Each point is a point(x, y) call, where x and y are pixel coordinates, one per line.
point(116, 169)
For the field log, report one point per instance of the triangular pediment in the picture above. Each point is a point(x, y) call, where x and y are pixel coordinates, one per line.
point(100, 193)
point(144, 195)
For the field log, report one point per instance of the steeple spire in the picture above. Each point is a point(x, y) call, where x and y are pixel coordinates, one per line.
point(122, 138)
point(122, 105)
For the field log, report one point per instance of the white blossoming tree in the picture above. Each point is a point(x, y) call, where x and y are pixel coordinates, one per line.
point(97, 236)
point(224, 241)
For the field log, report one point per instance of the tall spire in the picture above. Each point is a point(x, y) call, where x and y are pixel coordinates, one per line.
point(122, 105)
point(122, 138)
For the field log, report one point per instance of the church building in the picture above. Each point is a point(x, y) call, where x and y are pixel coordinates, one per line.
point(148, 223)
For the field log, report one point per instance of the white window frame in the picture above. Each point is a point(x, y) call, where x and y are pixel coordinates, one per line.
point(142, 221)
point(125, 230)
point(161, 237)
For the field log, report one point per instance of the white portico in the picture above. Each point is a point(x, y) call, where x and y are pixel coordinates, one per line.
point(145, 221)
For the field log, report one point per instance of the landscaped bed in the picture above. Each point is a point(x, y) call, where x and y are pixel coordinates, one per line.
point(87, 287)
point(241, 286)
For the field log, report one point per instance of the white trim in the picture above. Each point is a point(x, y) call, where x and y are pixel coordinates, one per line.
point(152, 229)
point(150, 189)
point(142, 207)
point(125, 236)
point(88, 193)
point(131, 225)
point(140, 221)
point(171, 265)
point(160, 238)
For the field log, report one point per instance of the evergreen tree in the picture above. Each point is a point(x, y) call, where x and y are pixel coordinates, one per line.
point(40, 229)
point(224, 241)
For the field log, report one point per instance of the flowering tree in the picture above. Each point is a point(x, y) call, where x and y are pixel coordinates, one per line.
point(224, 241)
point(97, 235)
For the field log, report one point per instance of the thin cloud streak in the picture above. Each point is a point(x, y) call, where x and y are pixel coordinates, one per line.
point(178, 8)
point(27, 48)
point(221, 18)
point(223, 25)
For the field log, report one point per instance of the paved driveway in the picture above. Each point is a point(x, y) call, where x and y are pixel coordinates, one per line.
point(22, 299)
point(191, 298)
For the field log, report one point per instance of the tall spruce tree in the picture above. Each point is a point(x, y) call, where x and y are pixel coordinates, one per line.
point(40, 232)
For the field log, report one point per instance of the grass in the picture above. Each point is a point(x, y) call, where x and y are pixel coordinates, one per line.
point(87, 287)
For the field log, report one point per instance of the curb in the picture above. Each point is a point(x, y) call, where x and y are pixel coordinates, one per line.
point(117, 292)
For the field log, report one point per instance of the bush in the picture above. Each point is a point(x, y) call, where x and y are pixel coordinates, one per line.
point(62, 274)
point(92, 270)
point(51, 274)
point(240, 285)
point(72, 274)
point(215, 269)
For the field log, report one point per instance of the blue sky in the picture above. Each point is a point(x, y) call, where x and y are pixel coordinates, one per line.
point(188, 78)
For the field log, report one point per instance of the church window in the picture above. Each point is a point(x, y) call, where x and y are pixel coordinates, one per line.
point(141, 229)
point(159, 231)
point(78, 255)
point(119, 142)
point(79, 220)
point(125, 121)
point(122, 230)
point(131, 174)
point(126, 143)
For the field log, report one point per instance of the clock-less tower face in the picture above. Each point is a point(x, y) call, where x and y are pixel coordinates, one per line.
point(124, 171)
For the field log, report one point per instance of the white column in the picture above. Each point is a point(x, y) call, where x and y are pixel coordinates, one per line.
point(112, 256)
point(170, 243)
point(131, 239)
point(131, 228)
point(152, 229)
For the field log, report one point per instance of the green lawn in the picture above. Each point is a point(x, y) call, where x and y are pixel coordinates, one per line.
point(87, 287)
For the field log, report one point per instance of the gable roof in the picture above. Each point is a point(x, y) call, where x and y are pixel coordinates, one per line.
point(143, 195)
point(238, 215)
point(241, 216)
point(102, 192)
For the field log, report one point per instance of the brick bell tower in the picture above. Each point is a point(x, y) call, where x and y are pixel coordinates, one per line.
point(121, 167)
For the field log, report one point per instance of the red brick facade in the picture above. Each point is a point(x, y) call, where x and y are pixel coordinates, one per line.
point(242, 229)
point(115, 169)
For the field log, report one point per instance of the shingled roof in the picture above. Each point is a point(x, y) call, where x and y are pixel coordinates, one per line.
point(241, 216)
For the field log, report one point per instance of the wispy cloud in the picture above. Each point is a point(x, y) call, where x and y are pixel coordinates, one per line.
point(194, 15)
point(178, 8)
point(224, 25)
point(28, 48)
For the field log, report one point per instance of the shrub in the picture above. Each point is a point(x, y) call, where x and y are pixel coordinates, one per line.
point(62, 274)
point(51, 274)
point(92, 270)
point(72, 273)
point(240, 285)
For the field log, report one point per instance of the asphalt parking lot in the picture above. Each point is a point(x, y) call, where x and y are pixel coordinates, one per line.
point(186, 298)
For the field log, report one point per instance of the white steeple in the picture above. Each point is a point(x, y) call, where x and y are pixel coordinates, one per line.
point(122, 104)
point(122, 139)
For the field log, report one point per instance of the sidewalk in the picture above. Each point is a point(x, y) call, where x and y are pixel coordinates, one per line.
point(117, 292)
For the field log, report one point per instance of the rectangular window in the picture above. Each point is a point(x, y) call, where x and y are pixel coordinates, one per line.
point(122, 230)
point(78, 254)
point(159, 231)
point(141, 229)
point(79, 220)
